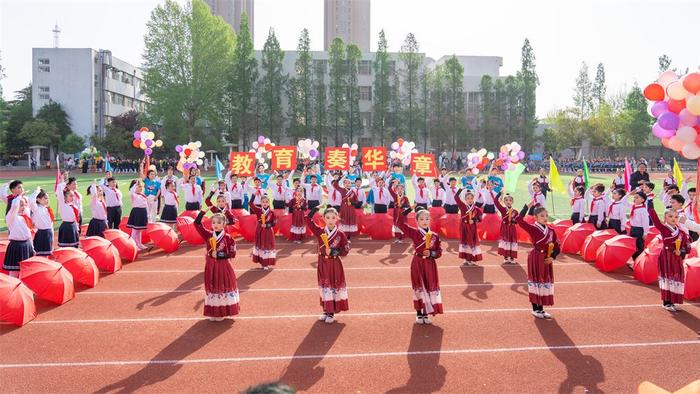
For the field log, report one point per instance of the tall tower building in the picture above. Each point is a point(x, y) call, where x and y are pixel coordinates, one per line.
point(347, 19)
point(231, 11)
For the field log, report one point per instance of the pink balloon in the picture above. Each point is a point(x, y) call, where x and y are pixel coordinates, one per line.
point(676, 143)
point(660, 132)
point(687, 117)
point(261, 139)
point(521, 155)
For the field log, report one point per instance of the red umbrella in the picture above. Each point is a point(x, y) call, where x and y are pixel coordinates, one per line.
point(3, 248)
point(523, 236)
point(449, 225)
point(411, 219)
point(79, 264)
point(247, 225)
point(206, 221)
point(189, 233)
point(615, 253)
point(653, 232)
point(279, 214)
point(122, 226)
point(48, 279)
point(574, 237)
point(560, 226)
point(646, 265)
point(163, 236)
point(17, 301)
point(435, 214)
point(692, 278)
point(593, 242)
point(103, 252)
point(380, 226)
point(284, 225)
point(360, 219)
point(126, 246)
point(489, 228)
point(235, 229)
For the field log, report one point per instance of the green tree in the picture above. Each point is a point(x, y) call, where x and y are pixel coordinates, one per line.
point(528, 82)
point(425, 106)
point(382, 93)
point(395, 106)
point(454, 73)
point(188, 52)
point(241, 82)
point(411, 77)
point(599, 88)
point(73, 143)
point(53, 113)
point(320, 97)
point(513, 111)
point(119, 135)
point(583, 99)
point(353, 56)
point(40, 132)
point(438, 107)
point(273, 85)
point(304, 71)
point(635, 122)
point(2, 76)
point(664, 63)
point(19, 112)
point(337, 88)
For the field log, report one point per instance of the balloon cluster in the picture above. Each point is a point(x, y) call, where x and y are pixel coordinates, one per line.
point(262, 148)
point(509, 155)
point(308, 149)
point(401, 150)
point(144, 139)
point(675, 103)
point(190, 156)
point(353, 152)
point(478, 160)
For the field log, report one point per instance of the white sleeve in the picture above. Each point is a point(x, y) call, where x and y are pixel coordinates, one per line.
point(4, 192)
point(32, 201)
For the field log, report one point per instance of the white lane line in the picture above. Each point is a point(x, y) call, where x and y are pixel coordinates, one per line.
point(346, 268)
point(349, 314)
point(605, 346)
point(573, 282)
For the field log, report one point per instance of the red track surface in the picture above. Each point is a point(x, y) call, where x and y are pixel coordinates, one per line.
point(142, 328)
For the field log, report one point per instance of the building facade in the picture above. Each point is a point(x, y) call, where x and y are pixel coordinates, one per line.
point(347, 19)
point(91, 85)
point(231, 10)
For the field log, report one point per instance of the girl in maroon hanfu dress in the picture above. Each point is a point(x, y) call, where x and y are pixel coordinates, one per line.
point(332, 244)
point(222, 207)
point(545, 248)
point(400, 204)
point(298, 206)
point(676, 245)
point(220, 287)
point(427, 298)
point(470, 215)
point(348, 199)
point(508, 241)
point(264, 249)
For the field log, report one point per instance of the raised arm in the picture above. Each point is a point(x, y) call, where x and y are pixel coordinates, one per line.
point(410, 231)
point(500, 207)
point(206, 234)
point(657, 222)
point(309, 222)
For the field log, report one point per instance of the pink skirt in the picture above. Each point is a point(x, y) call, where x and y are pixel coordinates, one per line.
point(332, 289)
point(220, 288)
point(426, 286)
point(264, 251)
point(540, 279)
point(671, 277)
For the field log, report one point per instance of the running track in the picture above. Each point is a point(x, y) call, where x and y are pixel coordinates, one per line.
point(142, 329)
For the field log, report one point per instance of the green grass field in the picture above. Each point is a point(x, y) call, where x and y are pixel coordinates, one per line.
point(557, 203)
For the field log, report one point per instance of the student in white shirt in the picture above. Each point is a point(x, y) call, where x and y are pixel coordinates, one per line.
point(169, 176)
point(437, 193)
point(639, 221)
point(334, 197)
point(42, 218)
point(382, 196)
point(138, 218)
point(487, 195)
point(314, 192)
point(68, 232)
point(113, 198)
point(171, 202)
point(451, 190)
point(279, 193)
point(20, 247)
point(596, 212)
point(98, 206)
point(237, 190)
point(360, 193)
point(538, 199)
point(617, 211)
point(578, 203)
point(255, 191)
point(72, 186)
point(193, 193)
point(421, 194)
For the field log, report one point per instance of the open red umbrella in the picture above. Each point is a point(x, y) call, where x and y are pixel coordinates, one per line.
point(79, 264)
point(692, 278)
point(653, 232)
point(126, 246)
point(489, 228)
point(449, 225)
point(360, 220)
point(615, 253)
point(122, 226)
point(279, 214)
point(593, 242)
point(435, 214)
point(646, 265)
point(560, 226)
point(47, 279)
point(103, 252)
point(189, 233)
point(17, 301)
point(284, 225)
point(247, 225)
point(523, 236)
point(3, 248)
point(573, 237)
point(380, 226)
point(163, 237)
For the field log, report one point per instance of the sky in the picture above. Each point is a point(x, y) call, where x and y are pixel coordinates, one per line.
point(627, 36)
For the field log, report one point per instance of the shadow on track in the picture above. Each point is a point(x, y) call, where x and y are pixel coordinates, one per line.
point(581, 370)
point(519, 276)
point(159, 369)
point(190, 285)
point(303, 372)
point(427, 375)
point(474, 277)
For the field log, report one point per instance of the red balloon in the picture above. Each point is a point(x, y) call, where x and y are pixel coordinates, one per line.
point(48, 279)
point(489, 228)
point(615, 253)
point(126, 246)
point(676, 106)
point(136, 143)
point(593, 242)
point(574, 237)
point(691, 82)
point(17, 301)
point(79, 264)
point(104, 253)
point(189, 233)
point(654, 92)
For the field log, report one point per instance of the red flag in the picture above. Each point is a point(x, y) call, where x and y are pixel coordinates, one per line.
point(58, 175)
point(627, 175)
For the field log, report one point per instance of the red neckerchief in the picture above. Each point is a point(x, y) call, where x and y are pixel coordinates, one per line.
point(534, 199)
point(593, 203)
point(104, 206)
point(177, 201)
point(573, 200)
point(421, 190)
point(381, 193)
point(28, 221)
point(635, 207)
point(50, 213)
point(75, 212)
point(279, 189)
point(313, 186)
point(610, 208)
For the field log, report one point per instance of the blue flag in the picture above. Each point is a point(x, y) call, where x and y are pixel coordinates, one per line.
point(219, 169)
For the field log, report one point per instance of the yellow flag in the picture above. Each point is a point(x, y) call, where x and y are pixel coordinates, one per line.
point(555, 182)
point(677, 174)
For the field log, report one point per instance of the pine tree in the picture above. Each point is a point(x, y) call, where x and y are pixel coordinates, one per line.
point(353, 56)
point(242, 81)
point(412, 63)
point(320, 97)
point(583, 99)
point(337, 89)
point(300, 90)
point(382, 88)
point(454, 72)
point(599, 88)
point(272, 84)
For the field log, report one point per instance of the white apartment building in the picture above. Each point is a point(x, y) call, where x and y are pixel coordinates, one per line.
point(91, 85)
